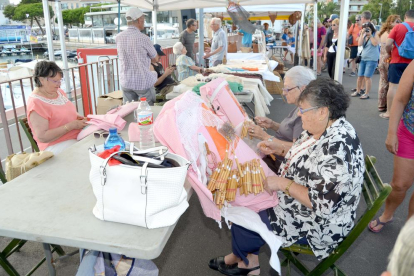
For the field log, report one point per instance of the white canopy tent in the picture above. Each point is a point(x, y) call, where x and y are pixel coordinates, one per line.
point(166, 5)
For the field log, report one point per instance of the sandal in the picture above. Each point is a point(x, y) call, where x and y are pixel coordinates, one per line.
point(364, 97)
point(382, 109)
point(385, 116)
point(377, 220)
point(355, 94)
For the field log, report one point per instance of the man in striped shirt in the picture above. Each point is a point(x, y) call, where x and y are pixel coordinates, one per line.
point(136, 52)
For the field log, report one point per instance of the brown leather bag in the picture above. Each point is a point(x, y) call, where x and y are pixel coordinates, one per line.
point(232, 47)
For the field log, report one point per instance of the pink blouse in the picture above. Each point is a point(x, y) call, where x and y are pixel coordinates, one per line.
point(59, 112)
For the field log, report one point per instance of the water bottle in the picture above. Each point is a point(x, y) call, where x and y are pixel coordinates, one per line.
point(114, 139)
point(145, 120)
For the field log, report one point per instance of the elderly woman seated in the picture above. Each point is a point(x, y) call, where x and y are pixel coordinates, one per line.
point(51, 116)
point(185, 65)
point(287, 131)
point(318, 184)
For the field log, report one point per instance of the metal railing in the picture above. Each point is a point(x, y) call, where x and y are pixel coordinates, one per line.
point(88, 82)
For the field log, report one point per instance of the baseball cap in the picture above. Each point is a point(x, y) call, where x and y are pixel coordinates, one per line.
point(333, 16)
point(134, 13)
point(159, 50)
point(325, 20)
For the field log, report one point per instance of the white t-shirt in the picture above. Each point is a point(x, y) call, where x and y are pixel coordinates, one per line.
point(331, 48)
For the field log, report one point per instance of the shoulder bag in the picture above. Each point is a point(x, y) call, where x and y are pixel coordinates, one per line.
point(359, 56)
point(143, 195)
point(350, 37)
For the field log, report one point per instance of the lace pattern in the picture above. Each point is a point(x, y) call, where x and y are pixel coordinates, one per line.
point(60, 100)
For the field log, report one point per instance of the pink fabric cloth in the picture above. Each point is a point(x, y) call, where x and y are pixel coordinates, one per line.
point(167, 133)
point(59, 112)
point(119, 112)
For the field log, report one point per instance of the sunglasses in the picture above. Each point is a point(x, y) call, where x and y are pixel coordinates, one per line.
point(102, 134)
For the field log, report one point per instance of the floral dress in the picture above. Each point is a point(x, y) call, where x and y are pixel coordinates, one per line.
point(383, 83)
point(332, 169)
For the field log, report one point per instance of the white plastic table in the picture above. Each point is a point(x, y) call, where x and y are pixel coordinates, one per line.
point(53, 202)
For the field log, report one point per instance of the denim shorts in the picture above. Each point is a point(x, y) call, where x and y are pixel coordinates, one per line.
point(367, 68)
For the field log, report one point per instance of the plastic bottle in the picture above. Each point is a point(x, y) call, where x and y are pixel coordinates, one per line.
point(114, 139)
point(145, 123)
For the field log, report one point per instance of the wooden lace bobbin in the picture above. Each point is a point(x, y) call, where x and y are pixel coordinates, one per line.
point(221, 177)
point(249, 178)
point(261, 169)
point(238, 165)
point(226, 173)
point(212, 184)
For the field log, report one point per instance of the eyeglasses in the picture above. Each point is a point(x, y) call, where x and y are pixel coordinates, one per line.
point(357, 20)
point(307, 109)
point(102, 134)
point(287, 90)
point(334, 25)
point(55, 82)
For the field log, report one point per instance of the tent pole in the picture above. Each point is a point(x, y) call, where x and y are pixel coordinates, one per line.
point(63, 48)
point(201, 37)
point(315, 35)
point(154, 21)
point(48, 30)
point(302, 21)
point(119, 16)
point(340, 52)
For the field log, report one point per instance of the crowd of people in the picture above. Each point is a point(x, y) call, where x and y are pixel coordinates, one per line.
point(319, 158)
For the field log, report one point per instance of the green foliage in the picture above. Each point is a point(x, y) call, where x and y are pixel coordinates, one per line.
point(352, 18)
point(375, 8)
point(400, 7)
point(9, 11)
point(23, 2)
point(324, 10)
point(75, 16)
point(35, 11)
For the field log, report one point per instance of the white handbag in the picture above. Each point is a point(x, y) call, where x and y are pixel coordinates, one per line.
point(142, 196)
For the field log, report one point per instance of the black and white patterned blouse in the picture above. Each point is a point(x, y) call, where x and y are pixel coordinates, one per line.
point(332, 169)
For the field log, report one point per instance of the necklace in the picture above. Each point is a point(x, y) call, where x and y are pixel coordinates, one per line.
point(289, 160)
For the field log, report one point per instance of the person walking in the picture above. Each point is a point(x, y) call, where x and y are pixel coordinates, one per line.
point(330, 49)
point(354, 31)
point(136, 52)
point(384, 61)
point(187, 37)
point(400, 142)
point(369, 40)
point(398, 63)
point(219, 44)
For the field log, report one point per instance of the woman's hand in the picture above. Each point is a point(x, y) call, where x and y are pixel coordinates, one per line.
point(392, 143)
point(272, 184)
point(257, 132)
point(77, 124)
point(264, 122)
point(267, 147)
point(79, 117)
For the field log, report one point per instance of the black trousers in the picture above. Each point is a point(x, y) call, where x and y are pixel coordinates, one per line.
point(331, 57)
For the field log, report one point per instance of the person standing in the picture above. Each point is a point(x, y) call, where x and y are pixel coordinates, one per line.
point(219, 44)
point(400, 142)
point(398, 63)
point(247, 38)
point(266, 32)
point(369, 40)
point(136, 52)
point(187, 37)
point(330, 49)
point(384, 61)
point(354, 30)
point(321, 33)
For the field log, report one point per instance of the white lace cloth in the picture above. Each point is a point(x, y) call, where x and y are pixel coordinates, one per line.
point(60, 100)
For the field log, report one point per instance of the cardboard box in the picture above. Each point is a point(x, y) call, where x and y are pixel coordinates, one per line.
point(108, 101)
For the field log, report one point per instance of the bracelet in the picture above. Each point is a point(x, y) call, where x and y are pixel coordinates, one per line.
point(67, 129)
point(287, 187)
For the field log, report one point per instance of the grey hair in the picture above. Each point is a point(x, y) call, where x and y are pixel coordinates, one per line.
point(358, 16)
point(367, 15)
point(402, 256)
point(131, 22)
point(216, 20)
point(177, 48)
point(301, 75)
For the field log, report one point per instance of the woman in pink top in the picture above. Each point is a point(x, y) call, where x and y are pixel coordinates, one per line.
point(52, 117)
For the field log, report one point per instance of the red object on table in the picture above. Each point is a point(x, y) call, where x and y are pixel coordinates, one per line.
point(106, 153)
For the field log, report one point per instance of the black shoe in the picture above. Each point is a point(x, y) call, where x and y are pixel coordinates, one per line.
point(229, 270)
point(353, 90)
point(216, 262)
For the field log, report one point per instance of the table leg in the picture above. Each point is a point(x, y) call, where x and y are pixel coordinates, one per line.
point(49, 259)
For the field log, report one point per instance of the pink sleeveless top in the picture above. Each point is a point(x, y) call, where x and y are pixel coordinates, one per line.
point(59, 111)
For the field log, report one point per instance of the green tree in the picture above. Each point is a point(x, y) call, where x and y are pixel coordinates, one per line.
point(75, 16)
point(324, 10)
point(9, 11)
point(374, 7)
point(400, 7)
point(35, 12)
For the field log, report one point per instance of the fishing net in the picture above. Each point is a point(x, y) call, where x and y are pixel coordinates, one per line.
point(240, 18)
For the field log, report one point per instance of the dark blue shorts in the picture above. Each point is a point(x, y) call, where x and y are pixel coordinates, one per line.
point(395, 71)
